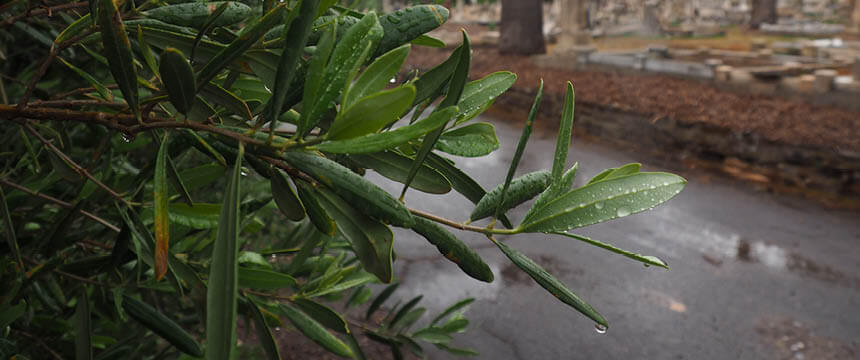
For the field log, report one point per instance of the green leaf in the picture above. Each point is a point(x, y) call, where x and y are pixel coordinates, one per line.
point(377, 75)
point(429, 85)
point(478, 95)
point(218, 95)
point(325, 315)
point(101, 89)
point(359, 296)
point(455, 90)
point(453, 249)
point(380, 299)
point(316, 332)
point(603, 201)
point(429, 41)
point(358, 191)
point(178, 79)
point(200, 216)
point(210, 22)
point(146, 51)
point(385, 140)
point(472, 140)
point(405, 25)
point(223, 280)
point(565, 130)
point(83, 327)
point(296, 35)
point(316, 72)
point(612, 173)
point(458, 351)
point(263, 279)
point(645, 259)
point(202, 175)
point(371, 240)
point(550, 283)
point(161, 212)
point(396, 166)
point(264, 334)
point(161, 325)
point(11, 239)
point(348, 54)
point(196, 14)
point(316, 213)
point(10, 313)
point(452, 309)
point(372, 113)
point(285, 197)
point(75, 28)
point(404, 310)
point(249, 36)
point(118, 52)
point(352, 280)
point(433, 335)
point(520, 190)
point(461, 182)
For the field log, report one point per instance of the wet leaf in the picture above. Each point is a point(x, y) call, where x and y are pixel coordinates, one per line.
point(429, 41)
point(472, 140)
point(11, 239)
point(550, 283)
point(316, 213)
point(264, 334)
point(371, 240)
point(316, 332)
point(645, 259)
point(377, 76)
point(433, 335)
point(196, 14)
point(396, 166)
point(211, 21)
point(285, 197)
point(223, 280)
point(478, 95)
point(101, 89)
point(380, 299)
point(218, 95)
point(75, 28)
point(385, 140)
point(565, 131)
point(325, 315)
point(83, 327)
point(371, 113)
point(453, 249)
point(452, 309)
point(178, 79)
point(161, 325)
point(161, 212)
point(432, 83)
point(520, 190)
point(263, 279)
point(118, 52)
point(612, 173)
point(603, 201)
point(404, 310)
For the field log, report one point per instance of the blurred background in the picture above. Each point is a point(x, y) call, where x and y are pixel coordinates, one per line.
point(756, 103)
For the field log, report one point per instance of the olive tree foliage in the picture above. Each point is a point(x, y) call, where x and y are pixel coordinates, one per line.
point(169, 168)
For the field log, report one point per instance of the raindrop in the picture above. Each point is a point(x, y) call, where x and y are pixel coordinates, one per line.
point(622, 212)
point(598, 206)
point(393, 20)
point(277, 328)
point(393, 80)
point(647, 265)
point(600, 329)
point(243, 173)
point(127, 138)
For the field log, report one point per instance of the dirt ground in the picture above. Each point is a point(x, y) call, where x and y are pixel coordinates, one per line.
point(770, 117)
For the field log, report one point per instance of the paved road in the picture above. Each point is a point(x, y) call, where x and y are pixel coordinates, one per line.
point(753, 275)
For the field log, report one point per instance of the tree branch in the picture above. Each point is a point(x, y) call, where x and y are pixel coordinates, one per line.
point(49, 10)
point(61, 203)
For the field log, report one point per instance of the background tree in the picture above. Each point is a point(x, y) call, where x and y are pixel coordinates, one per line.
point(763, 12)
point(522, 27)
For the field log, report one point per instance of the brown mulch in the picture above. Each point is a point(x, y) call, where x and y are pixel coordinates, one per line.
point(773, 118)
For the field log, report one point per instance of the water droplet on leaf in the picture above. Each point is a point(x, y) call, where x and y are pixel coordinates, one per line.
point(622, 212)
point(600, 329)
point(598, 206)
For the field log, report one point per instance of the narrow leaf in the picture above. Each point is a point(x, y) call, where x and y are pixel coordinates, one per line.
point(316, 213)
point(429, 41)
point(455, 90)
point(211, 20)
point(472, 140)
point(83, 328)
point(453, 249)
point(452, 309)
point(461, 182)
point(218, 95)
point(385, 140)
point(201, 216)
point(197, 14)
point(645, 259)
point(162, 217)
point(403, 26)
point(380, 299)
point(605, 200)
point(396, 166)
point(478, 95)
point(75, 28)
point(325, 315)
point(263, 279)
point(316, 332)
point(550, 283)
point(565, 130)
point(296, 35)
point(118, 52)
point(377, 75)
point(223, 280)
point(435, 79)
point(161, 325)
point(11, 239)
point(178, 79)
point(520, 190)
point(285, 197)
point(101, 89)
point(372, 113)
point(264, 334)
point(612, 173)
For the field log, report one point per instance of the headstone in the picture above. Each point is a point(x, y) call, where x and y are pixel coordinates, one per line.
point(658, 51)
point(764, 53)
point(758, 45)
point(723, 73)
point(855, 17)
point(809, 50)
point(713, 63)
point(807, 83)
point(649, 18)
point(574, 37)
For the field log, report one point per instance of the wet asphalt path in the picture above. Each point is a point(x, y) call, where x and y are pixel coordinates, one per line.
point(753, 275)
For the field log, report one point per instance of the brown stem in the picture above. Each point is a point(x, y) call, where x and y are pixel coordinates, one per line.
point(45, 10)
point(61, 203)
point(40, 343)
point(483, 230)
point(75, 103)
point(80, 91)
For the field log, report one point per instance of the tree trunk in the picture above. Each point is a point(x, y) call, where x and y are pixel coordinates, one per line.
point(763, 12)
point(522, 27)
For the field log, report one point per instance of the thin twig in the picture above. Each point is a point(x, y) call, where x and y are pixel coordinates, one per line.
point(75, 103)
point(61, 203)
point(40, 342)
point(79, 91)
point(45, 10)
point(52, 54)
point(79, 169)
point(460, 226)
